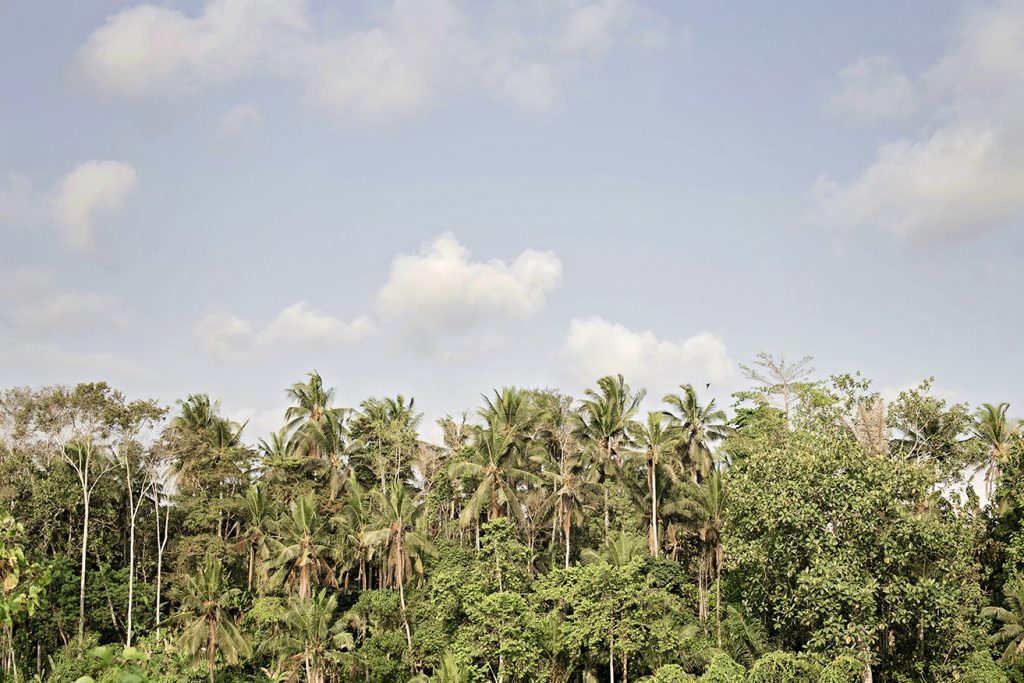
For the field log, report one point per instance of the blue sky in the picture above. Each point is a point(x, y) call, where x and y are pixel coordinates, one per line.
point(437, 198)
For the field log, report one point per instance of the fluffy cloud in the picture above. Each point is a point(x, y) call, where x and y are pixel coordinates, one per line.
point(958, 181)
point(32, 303)
point(411, 51)
point(442, 291)
point(227, 336)
point(91, 189)
point(964, 174)
point(595, 347)
point(873, 88)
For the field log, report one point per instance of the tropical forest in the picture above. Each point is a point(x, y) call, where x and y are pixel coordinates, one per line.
point(806, 530)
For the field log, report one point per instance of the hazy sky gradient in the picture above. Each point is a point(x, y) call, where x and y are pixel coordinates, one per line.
point(438, 198)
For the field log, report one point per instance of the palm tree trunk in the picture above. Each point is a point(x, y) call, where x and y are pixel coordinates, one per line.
point(654, 509)
point(211, 646)
point(606, 514)
point(718, 592)
point(304, 583)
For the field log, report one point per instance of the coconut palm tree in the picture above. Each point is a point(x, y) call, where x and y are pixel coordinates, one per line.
point(317, 427)
point(496, 468)
point(703, 506)
point(1012, 619)
point(994, 432)
point(205, 612)
point(259, 514)
point(602, 422)
point(297, 549)
point(570, 485)
point(656, 441)
point(402, 545)
point(312, 637)
point(702, 427)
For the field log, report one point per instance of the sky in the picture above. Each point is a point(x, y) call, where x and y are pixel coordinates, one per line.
point(437, 198)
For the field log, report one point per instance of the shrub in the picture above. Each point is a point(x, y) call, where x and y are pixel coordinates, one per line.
point(722, 669)
point(844, 669)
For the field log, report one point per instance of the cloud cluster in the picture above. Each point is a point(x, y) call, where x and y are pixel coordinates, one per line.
point(873, 88)
point(962, 174)
point(89, 191)
point(32, 303)
point(595, 347)
point(409, 52)
point(226, 336)
point(442, 289)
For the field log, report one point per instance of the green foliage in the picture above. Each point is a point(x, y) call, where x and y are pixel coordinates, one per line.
point(844, 669)
point(722, 669)
point(672, 673)
point(783, 667)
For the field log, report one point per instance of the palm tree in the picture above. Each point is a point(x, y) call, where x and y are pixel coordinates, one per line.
point(603, 421)
point(496, 467)
point(311, 637)
point(570, 486)
point(402, 545)
point(205, 610)
point(297, 549)
point(388, 430)
point(702, 428)
point(994, 432)
point(316, 426)
point(510, 411)
point(657, 439)
point(259, 512)
point(704, 505)
point(1012, 619)
point(623, 548)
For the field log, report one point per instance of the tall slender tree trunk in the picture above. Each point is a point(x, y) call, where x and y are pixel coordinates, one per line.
point(401, 593)
point(718, 592)
point(161, 543)
point(567, 526)
point(611, 658)
point(131, 575)
point(654, 509)
point(81, 582)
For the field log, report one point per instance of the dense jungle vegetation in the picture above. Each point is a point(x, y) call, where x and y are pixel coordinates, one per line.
point(809, 531)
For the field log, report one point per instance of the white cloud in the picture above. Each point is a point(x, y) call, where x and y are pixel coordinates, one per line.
point(958, 182)
point(241, 121)
point(92, 188)
point(595, 347)
point(151, 48)
point(442, 291)
point(412, 51)
point(302, 324)
point(873, 88)
point(32, 303)
point(965, 173)
point(229, 337)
